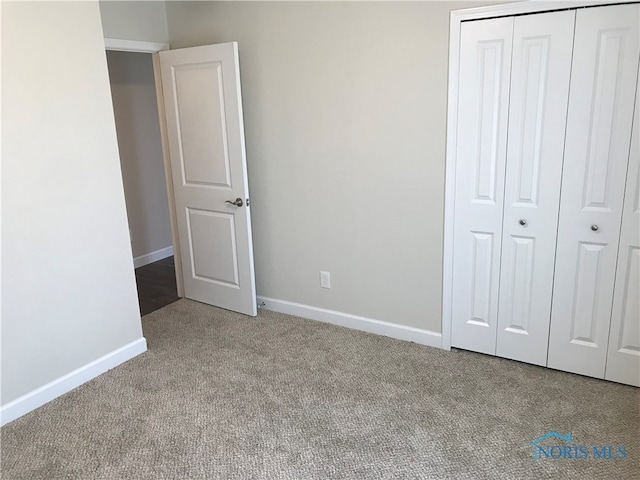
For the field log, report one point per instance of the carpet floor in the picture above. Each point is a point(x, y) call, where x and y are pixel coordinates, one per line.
point(220, 395)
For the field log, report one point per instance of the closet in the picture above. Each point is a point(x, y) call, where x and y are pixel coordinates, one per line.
point(546, 229)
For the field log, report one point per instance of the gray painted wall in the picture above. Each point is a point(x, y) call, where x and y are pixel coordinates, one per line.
point(68, 286)
point(345, 117)
point(141, 20)
point(136, 112)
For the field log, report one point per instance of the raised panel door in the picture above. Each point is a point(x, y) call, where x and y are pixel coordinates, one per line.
point(623, 356)
point(485, 59)
point(540, 74)
point(601, 102)
point(205, 133)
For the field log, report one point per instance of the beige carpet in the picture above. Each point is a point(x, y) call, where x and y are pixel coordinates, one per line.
point(219, 395)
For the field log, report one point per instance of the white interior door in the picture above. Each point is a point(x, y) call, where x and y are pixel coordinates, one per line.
point(485, 60)
point(205, 132)
point(623, 357)
point(602, 94)
point(540, 73)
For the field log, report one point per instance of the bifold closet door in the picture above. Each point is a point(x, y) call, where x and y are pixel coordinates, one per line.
point(485, 60)
point(623, 357)
point(601, 103)
point(508, 189)
point(540, 74)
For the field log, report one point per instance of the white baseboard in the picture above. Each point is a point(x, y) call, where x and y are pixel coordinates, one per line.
point(393, 330)
point(68, 382)
point(148, 258)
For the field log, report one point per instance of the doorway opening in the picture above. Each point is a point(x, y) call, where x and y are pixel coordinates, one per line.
point(135, 106)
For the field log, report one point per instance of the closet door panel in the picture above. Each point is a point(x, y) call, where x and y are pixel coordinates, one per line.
point(601, 101)
point(485, 59)
point(540, 74)
point(623, 357)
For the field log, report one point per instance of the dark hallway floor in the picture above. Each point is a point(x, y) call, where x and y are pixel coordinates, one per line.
point(156, 285)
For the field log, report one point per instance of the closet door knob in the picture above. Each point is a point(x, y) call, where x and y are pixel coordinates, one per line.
point(523, 222)
point(594, 228)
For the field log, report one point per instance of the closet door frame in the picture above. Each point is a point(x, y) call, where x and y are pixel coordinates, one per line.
point(457, 17)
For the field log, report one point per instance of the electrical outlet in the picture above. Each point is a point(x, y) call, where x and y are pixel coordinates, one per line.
point(325, 279)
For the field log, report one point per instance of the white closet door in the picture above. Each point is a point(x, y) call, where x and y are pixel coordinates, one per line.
point(485, 59)
point(540, 73)
point(602, 94)
point(623, 358)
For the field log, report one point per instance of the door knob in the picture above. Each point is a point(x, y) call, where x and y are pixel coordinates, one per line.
point(522, 222)
point(238, 202)
point(594, 228)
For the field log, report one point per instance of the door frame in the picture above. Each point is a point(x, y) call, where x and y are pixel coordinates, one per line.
point(136, 46)
point(456, 19)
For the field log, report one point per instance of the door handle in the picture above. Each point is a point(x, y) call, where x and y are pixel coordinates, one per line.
point(238, 202)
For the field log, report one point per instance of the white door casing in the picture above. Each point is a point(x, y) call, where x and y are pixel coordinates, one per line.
point(623, 357)
point(205, 133)
point(602, 94)
point(485, 59)
point(540, 73)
